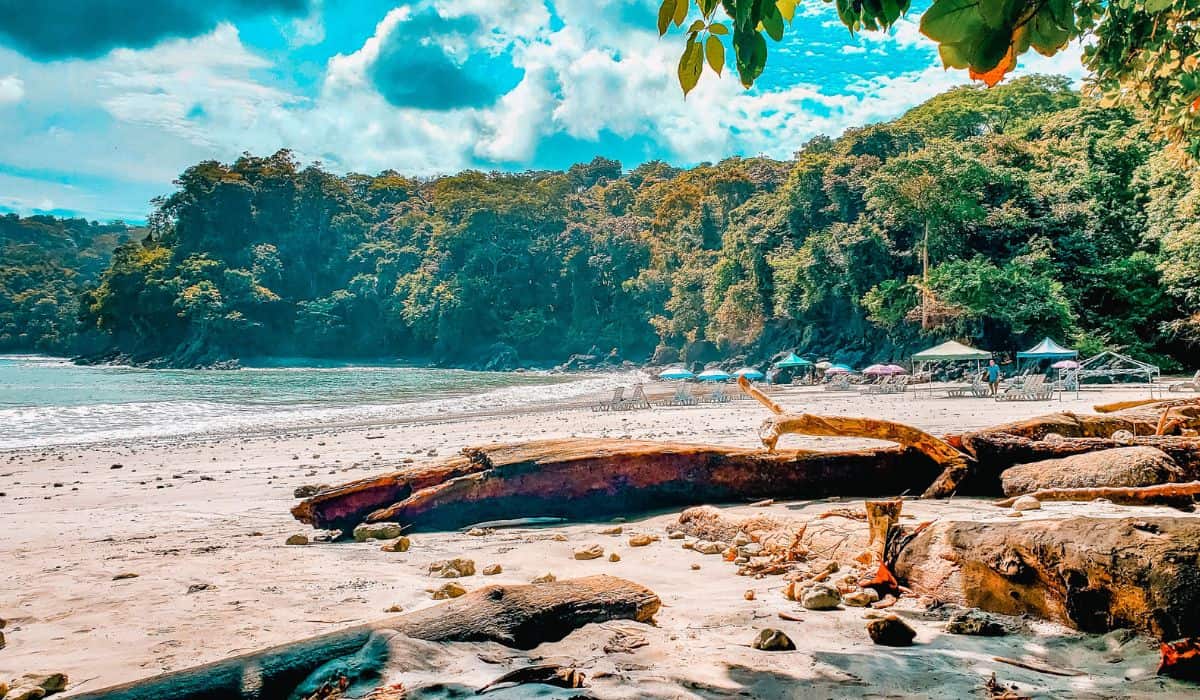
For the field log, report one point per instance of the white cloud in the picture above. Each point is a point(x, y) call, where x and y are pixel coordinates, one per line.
point(308, 30)
point(12, 89)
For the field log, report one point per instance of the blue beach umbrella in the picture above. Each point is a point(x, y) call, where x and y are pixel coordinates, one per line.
point(751, 374)
point(714, 375)
point(675, 373)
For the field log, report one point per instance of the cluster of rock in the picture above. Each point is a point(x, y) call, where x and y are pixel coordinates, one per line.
point(33, 686)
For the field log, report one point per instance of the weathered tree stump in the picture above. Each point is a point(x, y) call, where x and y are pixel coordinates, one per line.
point(1095, 574)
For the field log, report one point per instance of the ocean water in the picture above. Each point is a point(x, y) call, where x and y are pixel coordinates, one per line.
point(49, 401)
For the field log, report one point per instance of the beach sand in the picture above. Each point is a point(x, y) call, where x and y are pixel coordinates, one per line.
point(211, 515)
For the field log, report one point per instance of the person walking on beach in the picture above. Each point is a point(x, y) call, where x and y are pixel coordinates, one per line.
point(993, 372)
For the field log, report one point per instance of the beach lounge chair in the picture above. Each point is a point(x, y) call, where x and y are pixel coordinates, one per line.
point(638, 400)
point(977, 389)
point(1193, 385)
point(883, 386)
point(840, 382)
point(613, 403)
point(1033, 388)
point(682, 397)
point(718, 395)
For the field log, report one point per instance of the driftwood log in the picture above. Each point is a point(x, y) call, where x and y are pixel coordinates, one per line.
point(522, 617)
point(589, 478)
point(1179, 495)
point(1095, 574)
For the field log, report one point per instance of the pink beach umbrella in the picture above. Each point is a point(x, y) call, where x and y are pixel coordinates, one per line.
point(1065, 364)
point(897, 369)
point(877, 370)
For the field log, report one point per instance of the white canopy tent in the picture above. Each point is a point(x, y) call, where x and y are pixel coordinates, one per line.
point(949, 351)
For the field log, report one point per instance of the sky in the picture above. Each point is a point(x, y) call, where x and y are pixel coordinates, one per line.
point(104, 102)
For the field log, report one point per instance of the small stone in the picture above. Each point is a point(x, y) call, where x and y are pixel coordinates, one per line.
point(706, 547)
point(771, 639)
point(449, 590)
point(641, 540)
point(453, 568)
point(492, 569)
point(400, 544)
point(49, 682)
point(25, 692)
point(117, 466)
point(741, 539)
point(3, 643)
point(1015, 514)
point(1123, 436)
point(545, 578)
point(308, 490)
point(377, 531)
point(559, 537)
point(695, 567)
point(1026, 503)
point(592, 551)
point(748, 595)
point(891, 631)
point(297, 539)
point(975, 623)
point(197, 587)
point(821, 597)
point(614, 530)
point(861, 598)
point(614, 557)
point(751, 549)
point(477, 532)
point(675, 535)
point(124, 576)
point(393, 609)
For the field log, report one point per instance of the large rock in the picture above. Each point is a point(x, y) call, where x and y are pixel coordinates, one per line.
point(821, 597)
point(664, 355)
point(1123, 466)
point(500, 357)
point(771, 639)
point(700, 351)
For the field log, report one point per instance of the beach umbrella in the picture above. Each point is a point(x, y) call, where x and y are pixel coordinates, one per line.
point(714, 375)
point(751, 374)
point(793, 360)
point(897, 369)
point(877, 370)
point(838, 369)
point(675, 373)
point(823, 364)
point(1065, 364)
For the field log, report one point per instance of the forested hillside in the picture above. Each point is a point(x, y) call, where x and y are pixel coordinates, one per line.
point(46, 263)
point(1044, 214)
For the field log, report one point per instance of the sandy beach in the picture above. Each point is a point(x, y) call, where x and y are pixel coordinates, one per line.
point(200, 523)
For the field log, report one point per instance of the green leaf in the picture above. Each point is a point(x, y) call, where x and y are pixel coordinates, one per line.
point(1045, 35)
point(1158, 5)
point(718, 29)
point(954, 56)
point(990, 49)
point(691, 64)
point(996, 13)
point(696, 26)
point(750, 50)
point(891, 11)
point(714, 51)
point(665, 11)
point(772, 21)
point(681, 11)
point(952, 21)
point(707, 7)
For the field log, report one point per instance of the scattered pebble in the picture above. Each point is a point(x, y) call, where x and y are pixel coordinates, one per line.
point(976, 623)
point(308, 490)
point(1026, 503)
point(891, 631)
point(545, 578)
point(394, 608)
point(449, 590)
point(591, 551)
point(675, 535)
point(453, 568)
point(492, 569)
point(297, 539)
point(124, 576)
point(821, 597)
point(706, 547)
point(614, 557)
point(771, 639)
point(377, 531)
point(614, 530)
point(748, 595)
point(641, 540)
point(400, 544)
point(861, 598)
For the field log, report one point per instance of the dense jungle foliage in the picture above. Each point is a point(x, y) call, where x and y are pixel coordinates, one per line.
point(46, 263)
point(1043, 214)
